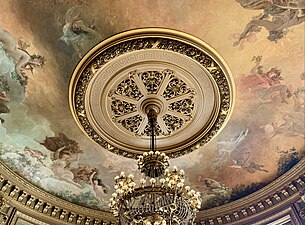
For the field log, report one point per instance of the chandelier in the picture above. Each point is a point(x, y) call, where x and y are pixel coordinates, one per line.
point(161, 198)
point(153, 82)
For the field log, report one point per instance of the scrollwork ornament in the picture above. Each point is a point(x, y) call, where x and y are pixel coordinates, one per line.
point(175, 88)
point(173, 123)
point(128, 88)
point(185, 106)
point(158, 131)
point(152, 81)
point(132, 123)
point(120, 108)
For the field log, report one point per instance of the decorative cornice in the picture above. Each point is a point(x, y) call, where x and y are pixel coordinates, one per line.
point(282, 191)
point(33, 201)
point(36, 202)
point(27, 218)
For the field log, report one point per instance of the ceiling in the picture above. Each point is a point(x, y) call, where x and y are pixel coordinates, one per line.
point(43, 41)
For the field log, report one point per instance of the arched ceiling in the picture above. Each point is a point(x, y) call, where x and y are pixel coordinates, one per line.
point(42, 42)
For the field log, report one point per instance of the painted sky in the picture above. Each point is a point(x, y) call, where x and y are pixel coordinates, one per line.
point(267, 121)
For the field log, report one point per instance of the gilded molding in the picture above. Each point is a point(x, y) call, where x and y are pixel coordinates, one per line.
point(27, 218)
point(3, 213)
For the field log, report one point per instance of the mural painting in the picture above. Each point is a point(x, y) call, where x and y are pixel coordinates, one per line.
point(41, 43)
point(277, 17)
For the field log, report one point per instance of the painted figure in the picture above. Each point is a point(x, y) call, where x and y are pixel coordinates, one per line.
point(100, 189)
point(4, 99)
point(66, 152)
point(266, 86)
point(299, 100)
point(209, 186)
point(228, 147)
point(54, 143)
point(61, 163)
point(35, 60)
point(293, 125)
point(242, 162)
point(23, 60)
point(263, 4)
point(276, 18)
point(36, 154)
point(75, 32)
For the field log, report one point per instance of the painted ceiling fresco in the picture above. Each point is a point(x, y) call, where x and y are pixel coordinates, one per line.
point(42, 41)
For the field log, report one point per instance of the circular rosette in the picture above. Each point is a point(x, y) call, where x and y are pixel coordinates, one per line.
point(165, 89)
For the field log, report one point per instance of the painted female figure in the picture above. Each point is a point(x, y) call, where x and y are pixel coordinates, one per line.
point(61, 163)
point(98, 186)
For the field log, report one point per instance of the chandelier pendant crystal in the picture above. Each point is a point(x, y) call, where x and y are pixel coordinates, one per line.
point(161, 198)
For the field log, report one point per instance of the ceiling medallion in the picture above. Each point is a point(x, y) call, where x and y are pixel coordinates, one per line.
point(188, 82)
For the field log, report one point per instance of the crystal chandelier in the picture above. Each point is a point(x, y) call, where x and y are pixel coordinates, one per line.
point(161, 198)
